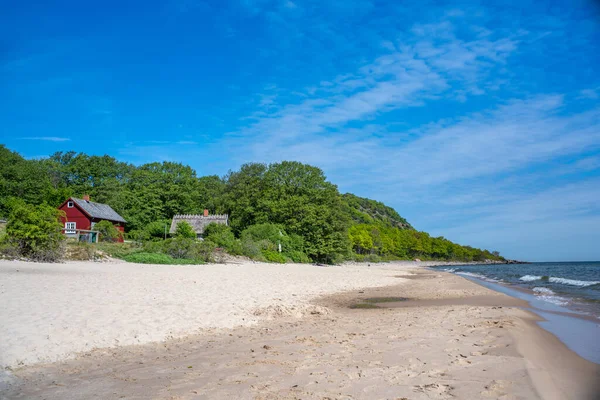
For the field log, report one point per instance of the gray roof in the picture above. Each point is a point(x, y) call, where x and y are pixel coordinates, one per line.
point(198, 222)
point(98, 210)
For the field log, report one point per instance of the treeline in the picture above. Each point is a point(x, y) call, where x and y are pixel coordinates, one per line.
point(287, 202)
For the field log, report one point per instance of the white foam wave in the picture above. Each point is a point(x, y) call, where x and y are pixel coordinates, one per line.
point(449, 270)
point(530, 278)
point(573, 282)
point(542, 290)
point(549, 296)
point(472, 274)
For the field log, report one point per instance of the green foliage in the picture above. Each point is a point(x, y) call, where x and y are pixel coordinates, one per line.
point(262, 241)
point(293, 195)
point(184, 230)
point(367, 211)
point(316, 222)
point(117, 250)
point(34, 231)
point(108, 232)
point(273, 256)
point(223, 237)
point(183, 248)
point(370, 240)
point(158, 258)
point(158, 229)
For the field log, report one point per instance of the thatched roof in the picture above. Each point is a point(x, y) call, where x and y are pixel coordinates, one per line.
point(198, 222)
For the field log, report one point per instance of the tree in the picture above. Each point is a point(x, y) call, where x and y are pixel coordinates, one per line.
point(184, 230)
point(108, 232)
point(35, 231)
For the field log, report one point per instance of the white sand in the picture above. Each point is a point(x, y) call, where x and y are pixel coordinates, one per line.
point(50, 312)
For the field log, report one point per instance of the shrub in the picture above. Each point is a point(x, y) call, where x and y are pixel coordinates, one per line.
point(251, 249)
point(138, 235)
point(34, 232)
point(204, 251)
point(222, 236)
point(179, 247)
point(270, 232)
point(297, 256)
point(184, 230)
point(157, 229)
point(183, 248)
point(267, 238)
point(108, 232)
point(157, 258)
point(118, 250)
point(274, 256)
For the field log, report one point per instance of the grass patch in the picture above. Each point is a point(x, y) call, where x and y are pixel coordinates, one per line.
point(360, 306)
point(158, 258)
point(117, 250)
point(373, 300)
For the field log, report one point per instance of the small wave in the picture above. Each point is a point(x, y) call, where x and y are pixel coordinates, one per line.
point(542, 290)
point(530, 278)
point(573, 282)
point(549, 296)
point(472, 274)
point(449, 269)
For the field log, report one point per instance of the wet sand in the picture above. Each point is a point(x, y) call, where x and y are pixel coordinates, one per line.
point(451, 339)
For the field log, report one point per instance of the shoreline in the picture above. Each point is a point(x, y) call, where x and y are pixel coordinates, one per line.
point(456, 339)
point(574, 325)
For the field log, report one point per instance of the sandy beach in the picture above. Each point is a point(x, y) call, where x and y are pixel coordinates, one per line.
point(264, 331)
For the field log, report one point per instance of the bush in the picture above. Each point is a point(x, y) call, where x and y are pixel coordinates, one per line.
point(138, 235)
point(108, 232)
point(222, 236)
point(297, 256)
point(179, 247)
point(34, 232)
point(118, 250)
point(265, 238)
point(156, 230)
point(183, 248)
point(157, 258)
point(185, 230)
point(251, 249)
point(274, 256)
point(204, 251)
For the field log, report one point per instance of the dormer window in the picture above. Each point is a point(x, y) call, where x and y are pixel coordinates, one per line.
point(70, 204)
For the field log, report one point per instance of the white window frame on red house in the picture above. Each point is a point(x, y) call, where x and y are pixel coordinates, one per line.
point(70, 228)
point(70, 204)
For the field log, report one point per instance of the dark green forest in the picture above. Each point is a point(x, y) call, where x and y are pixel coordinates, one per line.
point(287, 202)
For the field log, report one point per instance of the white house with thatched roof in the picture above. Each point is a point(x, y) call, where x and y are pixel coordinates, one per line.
point(199, 222)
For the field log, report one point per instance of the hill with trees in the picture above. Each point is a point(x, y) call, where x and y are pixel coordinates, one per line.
point(287, 203)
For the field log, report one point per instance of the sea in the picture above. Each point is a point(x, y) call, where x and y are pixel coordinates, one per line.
point(565, 294)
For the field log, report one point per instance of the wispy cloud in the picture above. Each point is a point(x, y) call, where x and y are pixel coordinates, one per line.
point(478, 166)
point(47, 138)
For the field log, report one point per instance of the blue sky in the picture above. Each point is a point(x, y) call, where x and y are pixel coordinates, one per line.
point(477, 122)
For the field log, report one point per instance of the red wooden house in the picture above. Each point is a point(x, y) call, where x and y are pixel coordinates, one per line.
point(83, 214)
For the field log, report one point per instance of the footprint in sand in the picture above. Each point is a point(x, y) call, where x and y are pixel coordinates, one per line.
point(435, 390)
point(496, 389)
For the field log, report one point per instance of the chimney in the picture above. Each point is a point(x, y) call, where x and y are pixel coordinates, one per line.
point(206, 213)
point(86, 197)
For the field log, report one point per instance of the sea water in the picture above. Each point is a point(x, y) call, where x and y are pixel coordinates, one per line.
point(565, 294)
point(574, 285)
